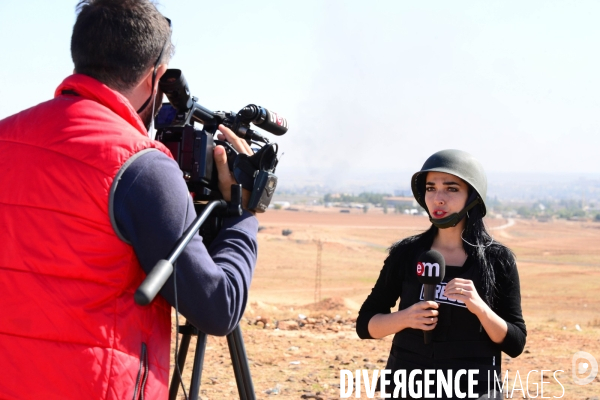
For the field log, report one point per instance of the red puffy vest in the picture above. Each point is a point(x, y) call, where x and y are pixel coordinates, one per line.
point(69, 328)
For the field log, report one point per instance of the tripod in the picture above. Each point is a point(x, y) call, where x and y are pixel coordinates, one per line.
point(237, 351)
point(155, 281)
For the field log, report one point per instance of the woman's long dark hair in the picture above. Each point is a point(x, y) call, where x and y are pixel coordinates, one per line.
point(479, 245)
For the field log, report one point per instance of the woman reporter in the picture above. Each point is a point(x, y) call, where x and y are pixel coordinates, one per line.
point(477, 314)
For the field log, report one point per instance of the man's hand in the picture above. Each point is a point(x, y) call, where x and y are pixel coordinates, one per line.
point(226, 178)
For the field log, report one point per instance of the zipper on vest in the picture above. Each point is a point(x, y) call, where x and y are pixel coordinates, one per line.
point(142, 376)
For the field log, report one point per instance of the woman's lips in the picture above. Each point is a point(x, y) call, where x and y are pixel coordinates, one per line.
point(439, 214)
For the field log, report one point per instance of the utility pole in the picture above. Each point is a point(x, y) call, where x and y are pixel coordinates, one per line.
point(318, 274)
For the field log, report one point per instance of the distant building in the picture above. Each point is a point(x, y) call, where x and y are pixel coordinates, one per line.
point(413, 211)
point(280, 204)
point(404, 202)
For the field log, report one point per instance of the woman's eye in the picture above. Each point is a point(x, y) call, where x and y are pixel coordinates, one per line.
point(429, 189)
point(452, 189)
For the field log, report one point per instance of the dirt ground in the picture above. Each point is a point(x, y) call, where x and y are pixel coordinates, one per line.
point(299, 338)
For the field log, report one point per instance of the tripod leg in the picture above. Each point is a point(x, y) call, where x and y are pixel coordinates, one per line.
point(243, 357)
point(197, 368)
point(241, 369)
point(235, 362)
point(175, 381)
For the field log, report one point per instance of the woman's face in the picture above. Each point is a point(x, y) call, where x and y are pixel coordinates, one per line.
point(445, 194)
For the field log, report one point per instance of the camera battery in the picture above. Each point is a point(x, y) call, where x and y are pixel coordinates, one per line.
point(264, 187)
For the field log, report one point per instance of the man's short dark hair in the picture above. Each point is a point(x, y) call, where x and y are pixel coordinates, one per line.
point(116, 41)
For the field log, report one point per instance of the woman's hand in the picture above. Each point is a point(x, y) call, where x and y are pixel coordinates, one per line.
point(464, 290)
point(422, 315)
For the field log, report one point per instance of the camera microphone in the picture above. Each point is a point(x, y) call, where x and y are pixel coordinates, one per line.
point(264, 119)
point(431, 268)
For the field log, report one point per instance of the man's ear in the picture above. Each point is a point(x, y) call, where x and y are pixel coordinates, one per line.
point(162, 68)
point(147, 80)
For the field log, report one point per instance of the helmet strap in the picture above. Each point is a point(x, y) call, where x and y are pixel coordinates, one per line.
point(453, 219)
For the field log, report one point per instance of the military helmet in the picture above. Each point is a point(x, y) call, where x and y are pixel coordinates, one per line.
point(458, 163)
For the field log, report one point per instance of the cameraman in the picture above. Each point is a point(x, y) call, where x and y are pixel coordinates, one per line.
point(89, 203)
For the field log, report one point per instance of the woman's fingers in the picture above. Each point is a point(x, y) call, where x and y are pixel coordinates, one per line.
point(424, 315)
point(429, 323)
point(459, 289)
point(428, 304)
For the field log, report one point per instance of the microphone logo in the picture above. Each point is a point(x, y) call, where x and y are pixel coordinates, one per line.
point(428, 269)
point(277, 120)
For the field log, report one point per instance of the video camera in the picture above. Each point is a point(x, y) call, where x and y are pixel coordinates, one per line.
point(193, 148)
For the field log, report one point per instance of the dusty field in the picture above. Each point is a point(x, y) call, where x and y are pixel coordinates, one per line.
point(559, 266)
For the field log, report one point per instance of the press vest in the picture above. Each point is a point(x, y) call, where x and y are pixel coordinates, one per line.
point(458, 332)
point(69, 328)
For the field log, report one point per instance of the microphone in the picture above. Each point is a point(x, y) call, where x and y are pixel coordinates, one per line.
point(264, 119)
point(431, 269)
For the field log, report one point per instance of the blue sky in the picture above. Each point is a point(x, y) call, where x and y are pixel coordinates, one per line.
point(367, 87)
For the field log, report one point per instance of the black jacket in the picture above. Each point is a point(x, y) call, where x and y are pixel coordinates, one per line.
point(458, 333)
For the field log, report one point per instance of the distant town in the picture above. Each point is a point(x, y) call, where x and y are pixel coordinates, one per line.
point(543, 196)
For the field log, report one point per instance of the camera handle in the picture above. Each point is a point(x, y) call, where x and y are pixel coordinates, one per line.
point(163, 269)
point(155, 280)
